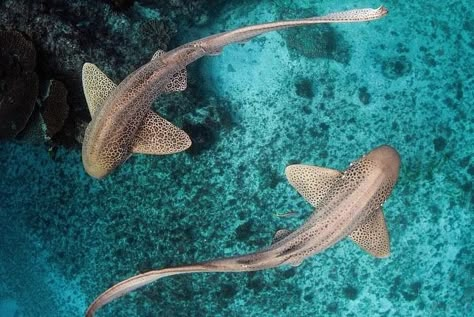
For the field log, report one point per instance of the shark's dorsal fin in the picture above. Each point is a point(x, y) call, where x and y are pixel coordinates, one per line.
point(157, 54)
point(97, 87)
point(312, 182)
point(159, 136)
point(179, 82)
point(280, 234)
point(372, 235)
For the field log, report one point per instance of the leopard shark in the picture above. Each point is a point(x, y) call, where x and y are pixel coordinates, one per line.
point(347, 204)
point(123, 122)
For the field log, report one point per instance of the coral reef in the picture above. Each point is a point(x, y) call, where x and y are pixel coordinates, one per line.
point(67, 34)
point(315, 42)
point(55, 108)
point(18, 82)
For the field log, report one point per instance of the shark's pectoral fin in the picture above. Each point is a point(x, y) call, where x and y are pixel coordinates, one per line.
point(312, 182)
point(159, 136)
point(97, 87)
point(280, 234)
point(372, 235)
point(179, 82)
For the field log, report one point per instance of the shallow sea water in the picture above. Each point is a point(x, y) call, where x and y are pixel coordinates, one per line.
point(405, 80)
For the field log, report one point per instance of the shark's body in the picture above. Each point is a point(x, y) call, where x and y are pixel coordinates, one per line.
point(347, 204)
point(122, 122)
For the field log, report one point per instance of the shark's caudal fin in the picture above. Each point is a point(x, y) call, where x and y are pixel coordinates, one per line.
point(313, 183)
point(180, 79)
point(155, 136)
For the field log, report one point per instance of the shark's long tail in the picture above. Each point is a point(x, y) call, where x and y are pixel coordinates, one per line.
point(256, 261)
point(213, 44)
point(138, 281)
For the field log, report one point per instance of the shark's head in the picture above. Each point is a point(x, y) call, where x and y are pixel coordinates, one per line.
point(386, 158)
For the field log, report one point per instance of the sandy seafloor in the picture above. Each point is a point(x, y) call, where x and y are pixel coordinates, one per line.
point(405, 80)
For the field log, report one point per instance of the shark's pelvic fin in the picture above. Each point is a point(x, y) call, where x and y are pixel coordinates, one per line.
point(312, 182)
point(179, 82)
point(372, 236)
point(159, 136)
point(97, 87)
point(280, 234)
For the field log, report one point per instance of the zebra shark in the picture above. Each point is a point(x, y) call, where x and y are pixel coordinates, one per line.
point(348, 203)
point(122, 120)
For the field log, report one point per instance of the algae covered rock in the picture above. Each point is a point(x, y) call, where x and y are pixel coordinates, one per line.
point(18, 82)
point(55, 108)
point(315, 42)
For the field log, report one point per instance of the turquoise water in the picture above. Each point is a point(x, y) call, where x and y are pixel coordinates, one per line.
point(405, 80)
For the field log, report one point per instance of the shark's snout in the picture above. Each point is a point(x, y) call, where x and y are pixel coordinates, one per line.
point(387, 158)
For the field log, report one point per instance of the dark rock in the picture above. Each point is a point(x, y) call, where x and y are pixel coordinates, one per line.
point(160, 31)
point(396, 67)
point(35, 130)
point(316, 42)
point(304, 88)
point(18, 54)
point(364, 95)
point(18, 82)
point(350, 292)
point(19, 97)
point(244, 231)
point(439, 144)
point(228, 291)
point(201, 135)
point(55, 107)
point(122, 4)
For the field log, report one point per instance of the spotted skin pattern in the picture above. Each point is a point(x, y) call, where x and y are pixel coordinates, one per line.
point(158, 136)
point(143, 132)
point(347, 203)
point(119, 114)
